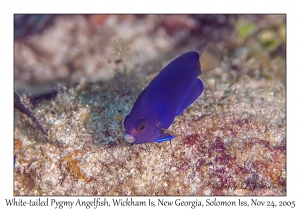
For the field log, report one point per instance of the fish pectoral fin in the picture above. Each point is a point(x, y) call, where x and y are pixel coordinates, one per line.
point(167, 135)
point(168, 131)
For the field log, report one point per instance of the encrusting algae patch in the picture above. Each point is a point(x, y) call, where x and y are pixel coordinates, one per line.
point(232, 140)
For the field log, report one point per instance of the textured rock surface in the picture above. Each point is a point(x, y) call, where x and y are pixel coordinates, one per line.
point(233, 138)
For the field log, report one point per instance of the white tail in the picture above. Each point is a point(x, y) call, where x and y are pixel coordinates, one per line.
point(210, 58)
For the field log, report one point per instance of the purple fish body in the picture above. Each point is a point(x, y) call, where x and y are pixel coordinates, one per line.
point(174, 89)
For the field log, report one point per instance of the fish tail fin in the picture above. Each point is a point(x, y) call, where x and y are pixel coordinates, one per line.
point(210, 58)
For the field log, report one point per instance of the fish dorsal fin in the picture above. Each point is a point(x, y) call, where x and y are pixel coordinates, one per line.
point(210, 58)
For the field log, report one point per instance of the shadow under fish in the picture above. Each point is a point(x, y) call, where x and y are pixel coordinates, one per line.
point(174, 89)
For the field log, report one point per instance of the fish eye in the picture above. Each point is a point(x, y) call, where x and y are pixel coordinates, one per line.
point(141, 125)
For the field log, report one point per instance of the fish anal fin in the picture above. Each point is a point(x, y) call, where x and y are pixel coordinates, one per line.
point(195, 91)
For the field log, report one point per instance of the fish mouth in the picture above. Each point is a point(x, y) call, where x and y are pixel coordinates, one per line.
point(129, 138)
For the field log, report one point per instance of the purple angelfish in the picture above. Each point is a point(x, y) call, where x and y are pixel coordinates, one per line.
point(174, 89)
